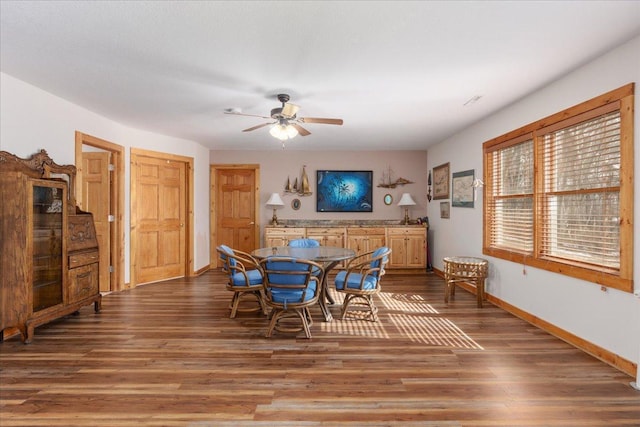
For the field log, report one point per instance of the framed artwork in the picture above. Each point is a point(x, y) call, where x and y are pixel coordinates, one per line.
point(441, 181)
point(462, 189)
point(344, 191)
point(444, 209)
point(388, 199)
point(295, 204)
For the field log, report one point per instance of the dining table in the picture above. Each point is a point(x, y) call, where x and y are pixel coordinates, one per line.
point(327, 256)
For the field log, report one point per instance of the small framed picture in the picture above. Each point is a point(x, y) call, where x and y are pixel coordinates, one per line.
point(441, 181)
point(295, 204)
point(388, 199)
point(462, 189)
point(444, 209)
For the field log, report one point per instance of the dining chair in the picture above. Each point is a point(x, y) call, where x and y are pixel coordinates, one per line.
point(245, 279)
point(291, 287)
point(360, 281)
point(304, 243)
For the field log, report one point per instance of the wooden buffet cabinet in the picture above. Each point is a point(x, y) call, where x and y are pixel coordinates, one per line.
point(49, 262)
point(408, 243)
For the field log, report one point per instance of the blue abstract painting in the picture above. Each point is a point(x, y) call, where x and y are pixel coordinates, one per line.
point(344, 191)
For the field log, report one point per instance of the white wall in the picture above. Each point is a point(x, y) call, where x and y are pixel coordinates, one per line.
point(31, 119)
point(608, 319)
point(276, 166)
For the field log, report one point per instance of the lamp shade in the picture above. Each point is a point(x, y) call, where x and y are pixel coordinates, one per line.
point(275, 200)
point(406, 200)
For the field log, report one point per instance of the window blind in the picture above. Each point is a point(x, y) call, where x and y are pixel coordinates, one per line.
point(510, 197)
point(580, 202)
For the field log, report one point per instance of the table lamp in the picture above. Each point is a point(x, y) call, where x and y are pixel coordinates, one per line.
point(406, 200)
point(275, 202)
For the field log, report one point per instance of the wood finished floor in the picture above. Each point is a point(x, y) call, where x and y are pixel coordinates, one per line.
point(166, 354)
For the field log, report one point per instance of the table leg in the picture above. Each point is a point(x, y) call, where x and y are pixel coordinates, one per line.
point(324, 292)
point(480, 291)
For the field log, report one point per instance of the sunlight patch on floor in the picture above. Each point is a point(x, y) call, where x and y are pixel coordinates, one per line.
point(406, 303)
point(433, 331)
point(355, 327)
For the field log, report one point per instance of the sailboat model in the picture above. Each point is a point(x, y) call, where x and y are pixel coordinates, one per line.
point(304, 189)
point(287, 188)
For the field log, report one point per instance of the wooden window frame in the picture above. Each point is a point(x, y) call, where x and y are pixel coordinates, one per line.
point(622, 100)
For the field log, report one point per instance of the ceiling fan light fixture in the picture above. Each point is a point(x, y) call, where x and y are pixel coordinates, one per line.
point(283, 131)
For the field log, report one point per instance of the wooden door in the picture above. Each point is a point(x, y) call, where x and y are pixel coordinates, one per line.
point(236, 208)
point(158, 215)
point(96, 198)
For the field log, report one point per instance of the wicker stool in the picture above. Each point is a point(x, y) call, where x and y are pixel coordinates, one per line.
point(465, 269)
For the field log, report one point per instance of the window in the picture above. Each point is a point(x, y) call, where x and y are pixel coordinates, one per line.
point(559, 192)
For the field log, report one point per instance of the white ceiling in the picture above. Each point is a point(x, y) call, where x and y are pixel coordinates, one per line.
point(398, 73)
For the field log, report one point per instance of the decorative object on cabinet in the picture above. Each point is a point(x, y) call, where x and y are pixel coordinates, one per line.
point(295, 204)
point(444, 209)
point(344, 191)
point(53, 269)
point(405, 201)
point(462, 189)
point(441, 181)
point(388, 199)
point(275, 202)
point(388, 180)
point(429, 188)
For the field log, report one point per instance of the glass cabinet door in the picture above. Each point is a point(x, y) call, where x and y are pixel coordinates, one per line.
point(48, 205)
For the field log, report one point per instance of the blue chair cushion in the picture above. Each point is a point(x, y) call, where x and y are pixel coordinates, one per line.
point(255, 278)
point(353, 281)
point(284, 296)
point(376, 263)
point(227, 249)
point(304, 243)
point(287, 279)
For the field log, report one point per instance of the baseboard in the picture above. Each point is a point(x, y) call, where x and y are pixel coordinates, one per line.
point(202, 270)
point(606, 356)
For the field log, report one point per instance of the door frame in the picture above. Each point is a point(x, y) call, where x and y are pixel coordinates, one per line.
point(117, 199)
point(189, 186)
point(213, 238)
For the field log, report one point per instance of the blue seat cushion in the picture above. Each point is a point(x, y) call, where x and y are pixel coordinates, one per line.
point(353, 281)
point(284, 296)
point(304, 243)
point(255, 278)
point(228, 250)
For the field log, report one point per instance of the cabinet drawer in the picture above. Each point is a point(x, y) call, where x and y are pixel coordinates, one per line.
point(368, 231)
point(416, 231)
point(296, 231)
point(79, 259)
point(83, 282)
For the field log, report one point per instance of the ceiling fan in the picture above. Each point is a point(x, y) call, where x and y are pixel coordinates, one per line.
point(286, 120)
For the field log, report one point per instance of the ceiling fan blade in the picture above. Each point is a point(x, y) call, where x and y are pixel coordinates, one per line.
point(248, 115)
point(320, 120)
point(257, 127)
point(290, 110)
point(302, 131)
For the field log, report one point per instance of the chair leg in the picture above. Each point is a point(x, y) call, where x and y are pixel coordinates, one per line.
point(261, 299)
point(305, 322)
point(234, 304)
point(275, 315)
point(372, 307)
point(345, 304)
point(368, 301)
